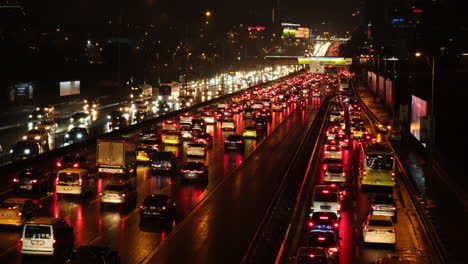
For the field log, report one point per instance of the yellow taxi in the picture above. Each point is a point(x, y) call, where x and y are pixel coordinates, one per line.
point(171, 138)
point(359, 132)
point(15, 211)
point(143, 152)
point(250, 132)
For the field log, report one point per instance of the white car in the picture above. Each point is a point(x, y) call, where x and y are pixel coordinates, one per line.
point(325, 199)
point(186, 133)
point(334, 115)
point(209, 119)
point(334, 173)
point(196, 149)
point(333, 154)
point(379, 229)
point(228, 124)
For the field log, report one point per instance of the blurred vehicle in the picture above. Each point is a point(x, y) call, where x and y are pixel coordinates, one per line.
point(115, 155)
point(32, 180)
point(48, 125)
point(354, 114)
point(169, 125)
point(324, 221)
point(71, 181)
point(343, 140)
point(312, 255)
point(204, 138)
point(234, 142)
point(149, 132)
point(332, 154)
point(260, 123)
point(91, 254)
point(327, 240)
point(15, 211)
point(316, 92)
point(266, 114)
point(356, 121)
point(383, 204)
point(383, 127)
point(194, 171)
point(25, 149)
point(334, 173)
point(228, 124)
point(125, 107)
point(37, 115)
point(227, 113)
point(379, 229)
point(118, 193)
point(195, 149)
point(76, 134)
point(334, 115)
point(47, 236)
point(116, 120)
point(198, 124)
point(248, 113)
point(39, 135)
point(154, 142)
point(163, 161)
point(73, 160)
point(277, 107)
point(186, 133)
point(250, 132)
point(157, 206)
point(185, 119)
point(209, 118)
point(395, 135)
point(80, 118)
point(325, 199)
point(144, 152)
point(139, 116)
point(171, 138)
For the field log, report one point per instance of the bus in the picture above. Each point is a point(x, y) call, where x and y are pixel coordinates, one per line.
point(376, 165)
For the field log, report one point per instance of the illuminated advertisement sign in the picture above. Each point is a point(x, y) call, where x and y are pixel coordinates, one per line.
point(418, 110)
point(326, 60)
point(289, 32)
point(69, 88)
point(256, 28)
point(290, 25)
point(302, 32)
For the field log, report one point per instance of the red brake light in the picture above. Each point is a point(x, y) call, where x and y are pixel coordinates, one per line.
point(142, 207)
point(19, 214)
point(325, 191)
point(324, 217)
point(311, 224)
point(33, 181)
point(336, 225)
point(333, 249)
point(15, 180)
point(58, 164)
point(123, 195)
point(164, 208)
point(199, 171)
point(184, 171)
point(321, 238)
point(76, 165)
point(311, 255)
point(80, 181)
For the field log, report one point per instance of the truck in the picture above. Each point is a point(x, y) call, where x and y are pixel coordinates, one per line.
point(116, 156)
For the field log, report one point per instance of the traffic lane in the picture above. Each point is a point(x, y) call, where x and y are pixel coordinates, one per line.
point(220, 229)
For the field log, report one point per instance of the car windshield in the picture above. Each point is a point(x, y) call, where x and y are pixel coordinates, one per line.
point(380, 223)
point(326, 197)
point(383, 199)
point(37, 232)
point(70, 158)
point(155, 200)
point(112, 187)
point(194, 166)
point(335, 169)
point(11, 205)
point(332, 148)
point(68, 177)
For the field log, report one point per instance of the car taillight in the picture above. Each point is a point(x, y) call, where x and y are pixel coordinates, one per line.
point(184, 171)
point(54, 243)
point(326, 152)
point(33, 181)
point(324, 217)
point(338, 206)
point(19, 214)
point(374, 207)
point(15, 180)
point(199, 171)
point(336, 225)
point(163, 208)
point(142, 207)
point(391, 231)
point(393, 208)
point(58, 164)
point(311, 224)
point(76, 165)
point(321, 239)
point(100, 194)
point(56, 180)
point(239, 141)
point(227, 141)
point(80, 181)
point(123, 195)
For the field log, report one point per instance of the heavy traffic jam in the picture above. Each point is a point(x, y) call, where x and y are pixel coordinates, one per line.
point(119, 173)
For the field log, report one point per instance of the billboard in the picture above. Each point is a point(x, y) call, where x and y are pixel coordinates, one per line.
point(418, 110)
point(69, 88)
point(289, 32)
point(302, 32)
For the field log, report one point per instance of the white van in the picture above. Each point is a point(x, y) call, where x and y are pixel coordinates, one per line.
point(74, 181)
point(47, 236)
point(325, 199)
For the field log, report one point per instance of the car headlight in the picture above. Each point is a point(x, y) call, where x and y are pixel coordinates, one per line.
point(11, 151)
point(30, 116)
point(108, 117)
point(37, 137)
point(67, 135)
point(39, 116)
point(27, 151)
point(71, 119)
point(79, 135)
point(25, 137)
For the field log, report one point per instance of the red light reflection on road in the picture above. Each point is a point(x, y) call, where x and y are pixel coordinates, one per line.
point(122, 229)
point(54, 207)
point(99, 185)
point(78, 226)
point(346, 243)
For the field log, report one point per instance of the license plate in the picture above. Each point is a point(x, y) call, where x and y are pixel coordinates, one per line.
point(109, 170)
point(7, 214)
point(327, 207)
point(26, 187)
point(384, 207)
point(112, 195)
point(37, 242)
point(153, 207)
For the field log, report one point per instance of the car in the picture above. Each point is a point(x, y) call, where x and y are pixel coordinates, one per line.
point(169, 125)
point(125, 107)
point(194, 170)
point(260, 123)
point(332, 154)
point(250, 132)
point(154, 142)
point(118, 193)
point(116, 124)
point(73, 160)
point(74, 181)
point(343, 140)
point(395, 135)
point(157, 206)
point(325, 199)
point(248, 113)
point(312, 255)
point(234, 142)
point(163, 161)
point(199, 124)
point(80, 118)
point(383, 204)
point(334, 115)
point(185, 119)
point(171, 137)
point(334, 173)
point(332, 132)
point(383, 127)
point(265, 113)
point(356, 121)
point(195, 149)
point(47, 236)
point(39, 135)
point(149, 132)
point(186, 133)
point(379, 229)
point(359, 132)
point(16, 211)
point(24, 149)
point(37, 115)
point(92, 254)
point(327, 240)
point(76, 134)
point(139, 116)
point(227, 113)
point(354, 114)
point(143, 152)
point(204, 138)
point(48, 125)
point(209, 118)
point(316, 92)
point(277, 107)
point(32, 180)
point(228, 124)
point(326, 221)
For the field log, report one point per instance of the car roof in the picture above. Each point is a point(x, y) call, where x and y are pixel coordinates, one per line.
point(44, 220)
point(72, 170)
point(380, 217)
point(16, 200)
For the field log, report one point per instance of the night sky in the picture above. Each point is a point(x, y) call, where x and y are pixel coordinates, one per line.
point(337, 13)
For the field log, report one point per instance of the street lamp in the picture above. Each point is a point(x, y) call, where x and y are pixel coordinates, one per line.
point(432, 64)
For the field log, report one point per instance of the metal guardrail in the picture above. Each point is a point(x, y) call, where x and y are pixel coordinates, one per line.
point(431, 231)
point(271, 230)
